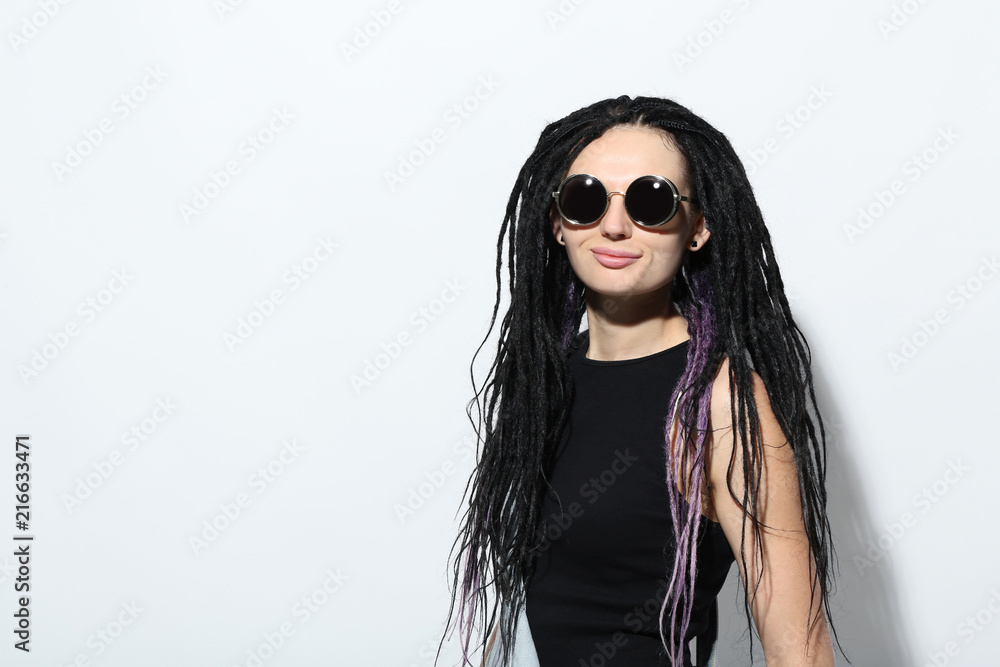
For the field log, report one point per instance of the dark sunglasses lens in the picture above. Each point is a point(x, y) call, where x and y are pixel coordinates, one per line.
point(582, 199)
point(649, 201)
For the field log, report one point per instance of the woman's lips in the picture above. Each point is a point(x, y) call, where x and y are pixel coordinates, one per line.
point(613, 259)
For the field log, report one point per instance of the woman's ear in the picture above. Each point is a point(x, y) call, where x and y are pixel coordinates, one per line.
point(556, 221)
point(699, 233)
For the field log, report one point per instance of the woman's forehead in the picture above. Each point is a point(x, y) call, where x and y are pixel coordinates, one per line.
point(624, 153)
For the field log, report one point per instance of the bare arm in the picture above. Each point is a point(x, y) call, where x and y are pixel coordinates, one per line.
point(782, 602)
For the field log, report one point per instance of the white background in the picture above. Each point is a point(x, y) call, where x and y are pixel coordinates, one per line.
point(866, 95)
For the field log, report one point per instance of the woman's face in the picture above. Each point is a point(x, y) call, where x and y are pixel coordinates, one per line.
point(615, 257)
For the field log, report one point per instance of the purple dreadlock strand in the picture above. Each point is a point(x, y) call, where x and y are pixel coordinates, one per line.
point(691, 410)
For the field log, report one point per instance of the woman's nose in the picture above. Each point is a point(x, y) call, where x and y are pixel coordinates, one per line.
point(616, 222)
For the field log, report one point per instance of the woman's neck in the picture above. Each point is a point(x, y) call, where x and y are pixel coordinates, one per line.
point(633, 326)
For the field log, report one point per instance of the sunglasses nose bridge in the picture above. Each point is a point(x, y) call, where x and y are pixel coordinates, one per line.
point(615, 223)
point(612, 194)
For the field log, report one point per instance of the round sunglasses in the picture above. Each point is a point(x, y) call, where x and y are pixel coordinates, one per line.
point(650, 201)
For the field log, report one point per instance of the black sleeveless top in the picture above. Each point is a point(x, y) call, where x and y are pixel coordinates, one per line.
point(602, 570)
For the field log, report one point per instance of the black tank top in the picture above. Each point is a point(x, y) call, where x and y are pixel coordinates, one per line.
point(603, 568)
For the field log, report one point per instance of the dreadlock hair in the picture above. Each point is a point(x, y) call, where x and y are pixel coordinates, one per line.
point(732, 297)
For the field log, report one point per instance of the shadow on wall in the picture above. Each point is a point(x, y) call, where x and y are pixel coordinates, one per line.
point(865, 601)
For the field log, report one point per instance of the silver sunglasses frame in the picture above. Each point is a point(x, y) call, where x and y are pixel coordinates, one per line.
point(678, 198)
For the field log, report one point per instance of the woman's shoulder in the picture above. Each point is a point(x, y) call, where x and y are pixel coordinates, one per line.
point(726, 450)
point(721, 400)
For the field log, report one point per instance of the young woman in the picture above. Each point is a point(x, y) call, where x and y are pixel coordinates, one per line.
point(622, 470)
